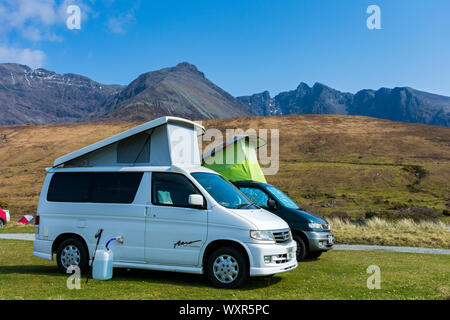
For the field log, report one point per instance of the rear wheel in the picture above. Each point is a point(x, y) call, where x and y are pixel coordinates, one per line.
point(72, 252)
point(2, 223)
point(302, 250)
point(227, 268)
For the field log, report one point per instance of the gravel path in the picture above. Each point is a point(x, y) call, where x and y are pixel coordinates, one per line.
point(390, 248)
point(30, 237)
point(17, 236)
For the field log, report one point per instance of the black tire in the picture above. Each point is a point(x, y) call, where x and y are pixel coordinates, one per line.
point(315, 255)
point(236, 258)
point(302, 249)
point(2, 223)
point(73, 245)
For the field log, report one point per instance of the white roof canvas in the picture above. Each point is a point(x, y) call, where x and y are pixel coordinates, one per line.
point(165, 141)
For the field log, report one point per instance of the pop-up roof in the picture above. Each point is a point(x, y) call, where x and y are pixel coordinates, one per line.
point(236, 159)
point(162, 142)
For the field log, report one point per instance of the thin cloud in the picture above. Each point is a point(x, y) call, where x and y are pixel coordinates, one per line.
point(35, 19)
point(121, 23)
point(32, 58)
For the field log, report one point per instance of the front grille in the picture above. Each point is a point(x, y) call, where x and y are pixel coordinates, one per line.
point(282, 236)
point(280, 258)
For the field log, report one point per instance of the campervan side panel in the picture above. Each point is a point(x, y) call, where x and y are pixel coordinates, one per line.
point(183, 145)
point(159, 147)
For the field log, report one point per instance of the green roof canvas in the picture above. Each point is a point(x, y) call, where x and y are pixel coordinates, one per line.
point(236, 160)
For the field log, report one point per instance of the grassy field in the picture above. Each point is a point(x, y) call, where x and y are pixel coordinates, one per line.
point(404, 232)
point(14, 227)
point(334, 166)
point(336, 275)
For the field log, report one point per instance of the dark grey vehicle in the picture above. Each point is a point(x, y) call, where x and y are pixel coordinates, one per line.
point(312, 234)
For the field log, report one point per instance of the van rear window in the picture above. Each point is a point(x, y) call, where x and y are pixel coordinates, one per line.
point(94, 187)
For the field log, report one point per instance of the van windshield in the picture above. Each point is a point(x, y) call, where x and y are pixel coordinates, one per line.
point(282, 197)
point(225, 193)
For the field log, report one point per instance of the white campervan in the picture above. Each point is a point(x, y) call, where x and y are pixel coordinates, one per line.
point(146, 187)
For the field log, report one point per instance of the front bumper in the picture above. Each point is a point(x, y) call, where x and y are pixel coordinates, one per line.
point(320, 241)
point(283, 258)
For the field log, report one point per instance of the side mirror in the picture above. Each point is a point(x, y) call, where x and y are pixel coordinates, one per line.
point(196, 200)
point(271, 204)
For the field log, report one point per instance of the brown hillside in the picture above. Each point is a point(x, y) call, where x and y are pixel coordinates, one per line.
point(331, 165)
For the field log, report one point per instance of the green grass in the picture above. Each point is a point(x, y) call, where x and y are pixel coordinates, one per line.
point(336, 275)
point(14, 227)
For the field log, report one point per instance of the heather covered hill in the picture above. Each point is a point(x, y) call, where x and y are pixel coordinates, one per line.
point(333, 165)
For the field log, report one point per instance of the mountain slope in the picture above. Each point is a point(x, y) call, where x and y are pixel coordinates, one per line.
point(319, 99)
point(262, 104)
point(402, 104)
point(333, 163)
point(178, 91)
point(42, 96)
point(399, 104)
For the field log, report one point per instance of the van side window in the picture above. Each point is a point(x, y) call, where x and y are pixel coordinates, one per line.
point(256, 195)
point(94, 187)
point(171, 189)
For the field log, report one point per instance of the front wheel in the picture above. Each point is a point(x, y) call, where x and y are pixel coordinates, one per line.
point(302, 250)
point(72, 252)
point(227, 268)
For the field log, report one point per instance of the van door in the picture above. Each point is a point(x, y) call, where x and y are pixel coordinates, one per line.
point(84, 202)
point(175, 232)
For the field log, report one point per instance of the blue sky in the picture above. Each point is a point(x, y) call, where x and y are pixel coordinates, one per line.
point(245, 46)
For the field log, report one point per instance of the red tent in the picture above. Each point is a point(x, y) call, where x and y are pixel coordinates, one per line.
point(25, 219)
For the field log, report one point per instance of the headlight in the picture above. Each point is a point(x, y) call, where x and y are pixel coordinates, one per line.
point(262, 235)
point(314, 225)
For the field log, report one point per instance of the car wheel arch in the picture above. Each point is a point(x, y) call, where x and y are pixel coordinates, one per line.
point(213, 245)
point(64, 236)
point(301, 235)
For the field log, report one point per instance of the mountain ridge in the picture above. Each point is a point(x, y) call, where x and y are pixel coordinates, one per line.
point(398, 104)
point(39, 96)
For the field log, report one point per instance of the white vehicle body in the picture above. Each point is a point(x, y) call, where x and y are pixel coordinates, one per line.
point(155, 236)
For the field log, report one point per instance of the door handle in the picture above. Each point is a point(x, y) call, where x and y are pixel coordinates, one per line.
point(147, 211)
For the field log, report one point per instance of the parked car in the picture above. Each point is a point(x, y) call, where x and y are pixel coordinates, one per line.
point(312, 234)
point(4, 217)
point(146, 186)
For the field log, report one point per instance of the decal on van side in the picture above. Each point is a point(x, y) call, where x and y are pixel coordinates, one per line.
point(182, 243)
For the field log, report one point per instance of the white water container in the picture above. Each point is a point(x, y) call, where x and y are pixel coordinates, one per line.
point(103, 265)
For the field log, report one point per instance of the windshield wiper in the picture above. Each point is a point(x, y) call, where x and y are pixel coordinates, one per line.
point(240, 206)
